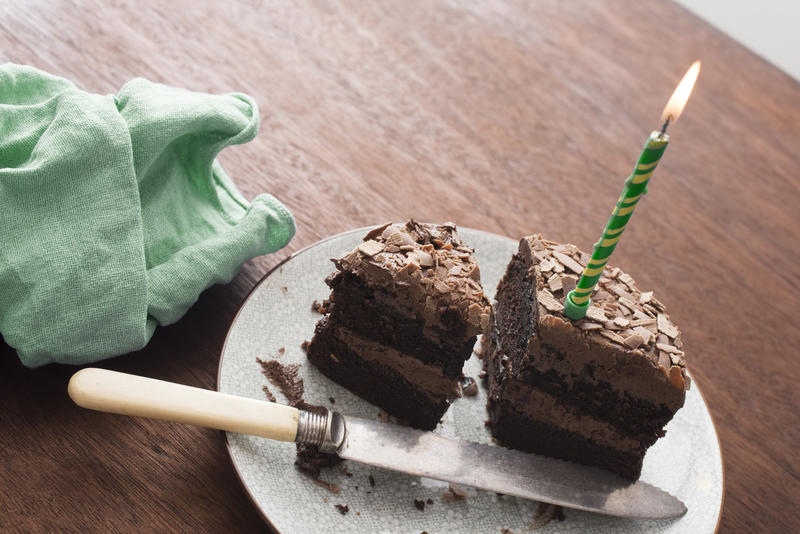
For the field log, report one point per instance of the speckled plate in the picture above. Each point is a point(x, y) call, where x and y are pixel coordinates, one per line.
point(278, 314)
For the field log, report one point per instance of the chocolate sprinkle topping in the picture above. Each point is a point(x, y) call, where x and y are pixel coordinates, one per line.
point(619, 315)
point(437, 269)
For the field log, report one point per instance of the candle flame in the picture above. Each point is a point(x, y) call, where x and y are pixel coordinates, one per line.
point(681, 95)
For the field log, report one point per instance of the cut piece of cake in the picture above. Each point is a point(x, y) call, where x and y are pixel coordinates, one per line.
point(597, 391)
point(404, 312)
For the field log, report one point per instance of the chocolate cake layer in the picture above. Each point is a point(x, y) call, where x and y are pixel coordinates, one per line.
point(400, 384)
point(519, 432)
point(405, 309)
point(609, 382)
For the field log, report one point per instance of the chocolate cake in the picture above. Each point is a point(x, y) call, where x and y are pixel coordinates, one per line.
point(404, 312)
point(596, 391)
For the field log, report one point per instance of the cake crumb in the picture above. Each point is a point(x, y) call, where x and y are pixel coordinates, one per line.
point(505, 531)
point(420, 505)
point(545, 513)
point(268, 393)
point(469, 387)
point(454, 494)
point(287, 379)
point(331, 400)
point(371, 481)
point(333, 488)
point(311, 462)
point(321, 307)
point(285, 290)
point(343, 508)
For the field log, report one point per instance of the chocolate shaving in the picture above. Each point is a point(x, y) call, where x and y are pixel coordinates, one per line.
point(613, 336)
point(622, 322)
point(633, 341)
point(547, 300)
point(343, 508)
point(646, 334)
point(378, 230)
point(568, 262)
point(555, 284)
point(666, 347)
point(665, 326)
point(371, 247)
point(596, 314)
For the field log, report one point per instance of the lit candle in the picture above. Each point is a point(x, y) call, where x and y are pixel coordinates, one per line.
point(578, 300)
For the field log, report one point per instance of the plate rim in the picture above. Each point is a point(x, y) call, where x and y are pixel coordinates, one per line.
point(304, 249)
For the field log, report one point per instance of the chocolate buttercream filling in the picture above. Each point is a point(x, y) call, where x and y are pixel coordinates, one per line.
point(426, 377)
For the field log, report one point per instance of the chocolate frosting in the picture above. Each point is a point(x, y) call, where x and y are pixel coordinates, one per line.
point(538, 405)
point(621, 316)
point(429, 270)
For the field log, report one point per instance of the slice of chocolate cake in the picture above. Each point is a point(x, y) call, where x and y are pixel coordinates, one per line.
point(405, 309)
point(596, 391)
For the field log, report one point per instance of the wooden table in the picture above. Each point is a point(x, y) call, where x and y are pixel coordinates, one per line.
point(495, 115)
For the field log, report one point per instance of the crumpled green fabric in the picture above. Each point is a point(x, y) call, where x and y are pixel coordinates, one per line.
point(114, 213)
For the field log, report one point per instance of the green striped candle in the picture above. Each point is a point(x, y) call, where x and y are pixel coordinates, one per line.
point(577, 302)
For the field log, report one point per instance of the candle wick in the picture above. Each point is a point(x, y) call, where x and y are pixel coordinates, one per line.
point(666, 124)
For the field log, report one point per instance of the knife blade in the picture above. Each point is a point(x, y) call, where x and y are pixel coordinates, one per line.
point(383, 445)
point(503, 470)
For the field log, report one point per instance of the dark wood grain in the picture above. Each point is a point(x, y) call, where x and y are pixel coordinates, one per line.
point(511, 117)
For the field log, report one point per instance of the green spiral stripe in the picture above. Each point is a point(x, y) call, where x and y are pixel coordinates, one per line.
point(577, 302)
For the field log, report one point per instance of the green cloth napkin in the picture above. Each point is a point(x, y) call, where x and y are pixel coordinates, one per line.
point(114, 213)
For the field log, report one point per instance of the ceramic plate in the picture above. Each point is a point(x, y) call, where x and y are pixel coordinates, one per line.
point(278, 315)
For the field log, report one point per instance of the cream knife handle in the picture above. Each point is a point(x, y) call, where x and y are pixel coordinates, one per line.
point(110, 391)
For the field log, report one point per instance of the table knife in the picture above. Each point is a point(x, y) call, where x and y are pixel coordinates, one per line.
point(384, 445)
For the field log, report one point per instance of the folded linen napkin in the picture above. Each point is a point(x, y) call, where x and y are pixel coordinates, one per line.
point(114, 213)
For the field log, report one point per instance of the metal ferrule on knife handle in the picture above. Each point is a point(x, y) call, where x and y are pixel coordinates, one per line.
point(326, 431)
